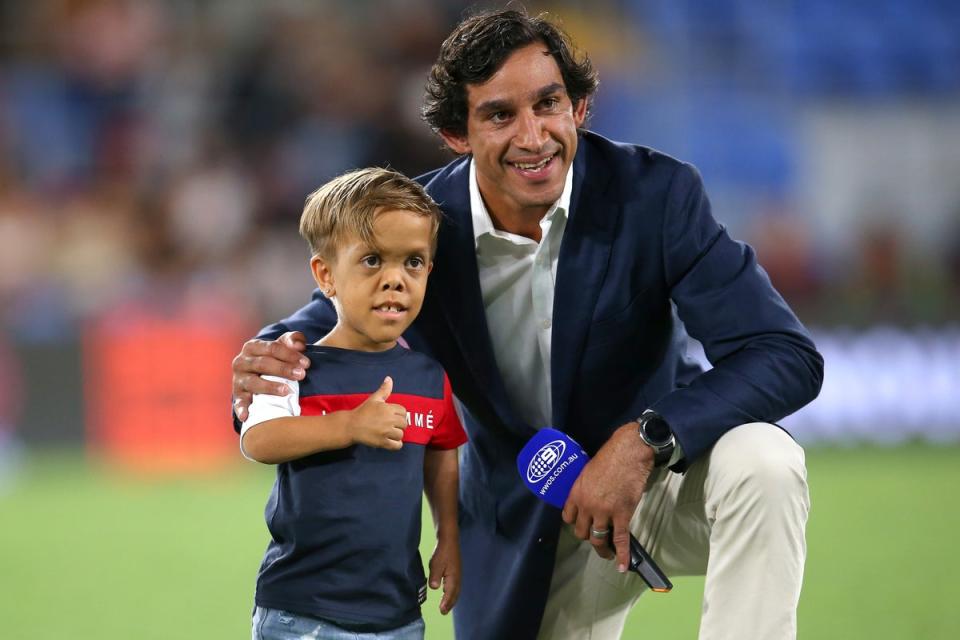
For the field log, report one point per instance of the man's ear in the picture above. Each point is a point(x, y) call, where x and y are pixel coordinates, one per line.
point(323, 274)
point(457, 143)
point(580, 112)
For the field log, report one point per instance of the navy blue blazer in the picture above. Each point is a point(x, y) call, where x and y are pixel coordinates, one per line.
point(642, 262)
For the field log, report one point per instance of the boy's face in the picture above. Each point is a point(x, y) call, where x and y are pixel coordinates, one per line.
point(377, 291)
point(522, 132)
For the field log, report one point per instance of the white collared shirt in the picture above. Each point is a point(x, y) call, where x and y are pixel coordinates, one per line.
point(517, 277)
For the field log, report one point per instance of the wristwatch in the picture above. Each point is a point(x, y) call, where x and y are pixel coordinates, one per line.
point(656, 432)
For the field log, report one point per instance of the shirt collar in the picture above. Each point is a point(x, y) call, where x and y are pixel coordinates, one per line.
point(483, 223)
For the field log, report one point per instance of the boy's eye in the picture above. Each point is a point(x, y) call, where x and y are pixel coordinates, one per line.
point(370, 261)
point(416, 262)
point(499, 116)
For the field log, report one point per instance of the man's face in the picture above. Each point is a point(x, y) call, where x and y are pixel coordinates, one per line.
point(522, 132)
point(377, 291)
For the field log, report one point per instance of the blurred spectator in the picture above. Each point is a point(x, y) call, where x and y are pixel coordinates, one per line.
point(787, 250)
point(877, 283)
point(211, 210)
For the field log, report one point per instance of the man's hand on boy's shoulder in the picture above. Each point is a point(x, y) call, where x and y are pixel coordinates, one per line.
point(282, 357)
point(378, 423)
point(445, 570)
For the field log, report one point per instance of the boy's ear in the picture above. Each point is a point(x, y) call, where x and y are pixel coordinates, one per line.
point(323, 275)
point(457, 143)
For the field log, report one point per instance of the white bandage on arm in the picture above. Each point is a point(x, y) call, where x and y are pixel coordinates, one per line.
point(267, 407)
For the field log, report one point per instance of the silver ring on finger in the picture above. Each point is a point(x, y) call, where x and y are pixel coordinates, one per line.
point(599, 533)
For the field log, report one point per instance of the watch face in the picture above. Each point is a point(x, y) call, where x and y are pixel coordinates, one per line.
point(657, 430)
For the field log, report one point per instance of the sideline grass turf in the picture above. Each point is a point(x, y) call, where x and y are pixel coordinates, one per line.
point(88, 553)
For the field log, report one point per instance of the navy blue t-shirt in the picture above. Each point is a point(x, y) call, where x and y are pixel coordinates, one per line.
point(345, 524)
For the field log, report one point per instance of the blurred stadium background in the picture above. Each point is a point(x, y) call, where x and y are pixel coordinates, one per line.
point(154, 157)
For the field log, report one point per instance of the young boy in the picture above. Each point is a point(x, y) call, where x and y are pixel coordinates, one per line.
point(370, 428)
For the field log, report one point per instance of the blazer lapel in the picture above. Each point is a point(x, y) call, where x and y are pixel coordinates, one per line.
point(584, 255)
point(459, 282)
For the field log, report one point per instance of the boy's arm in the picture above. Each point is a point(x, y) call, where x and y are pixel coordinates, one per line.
point(375, 423)
point(292, 437)
point(441, 478)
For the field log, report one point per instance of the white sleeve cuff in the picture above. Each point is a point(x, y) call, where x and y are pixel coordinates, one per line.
point(267, 407)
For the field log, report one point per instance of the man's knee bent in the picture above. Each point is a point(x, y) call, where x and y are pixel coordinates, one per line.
point(762, 457)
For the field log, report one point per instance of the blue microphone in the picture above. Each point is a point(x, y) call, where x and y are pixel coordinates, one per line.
point(549, 465)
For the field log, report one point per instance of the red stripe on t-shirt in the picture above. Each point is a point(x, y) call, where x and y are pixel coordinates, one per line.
point(425, 416)
point(452, 434)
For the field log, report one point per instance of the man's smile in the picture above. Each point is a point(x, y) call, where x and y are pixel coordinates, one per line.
point(534, 167)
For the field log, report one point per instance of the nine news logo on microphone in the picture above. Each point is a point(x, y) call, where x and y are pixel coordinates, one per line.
point(545, 460)
point(550, 463)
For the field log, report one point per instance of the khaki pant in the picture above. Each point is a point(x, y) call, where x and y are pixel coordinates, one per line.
point(737, 516)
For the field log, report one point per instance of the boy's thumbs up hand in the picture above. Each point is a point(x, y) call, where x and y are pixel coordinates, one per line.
point(378, 423)
point(381, 394)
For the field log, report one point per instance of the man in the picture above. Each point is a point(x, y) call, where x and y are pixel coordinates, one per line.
point(568, 272)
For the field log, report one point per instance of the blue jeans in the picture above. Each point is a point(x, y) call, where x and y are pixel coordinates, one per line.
point(274, 624)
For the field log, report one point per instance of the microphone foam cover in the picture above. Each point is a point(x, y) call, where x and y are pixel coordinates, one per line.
point(549, 465)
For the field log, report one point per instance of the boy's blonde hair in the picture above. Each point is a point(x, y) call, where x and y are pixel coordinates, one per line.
point(349, 204)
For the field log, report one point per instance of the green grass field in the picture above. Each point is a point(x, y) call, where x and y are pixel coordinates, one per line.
point(91, 554)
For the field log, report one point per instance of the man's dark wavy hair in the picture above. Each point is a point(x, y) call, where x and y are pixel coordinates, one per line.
point(478, 47)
